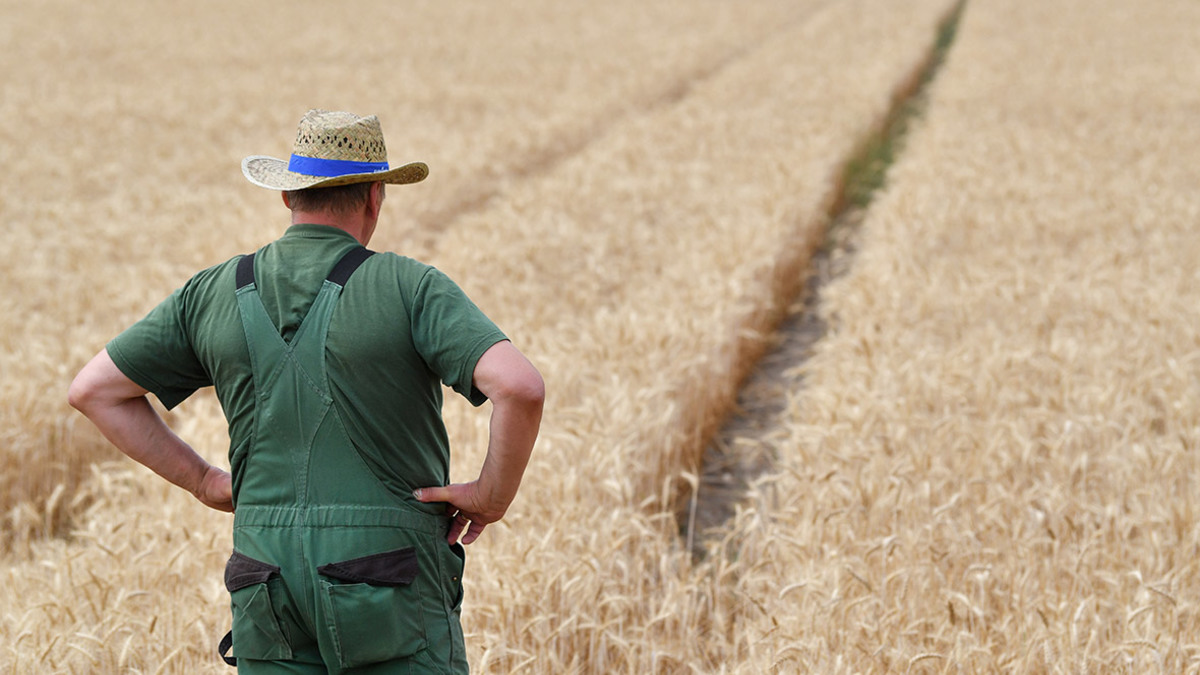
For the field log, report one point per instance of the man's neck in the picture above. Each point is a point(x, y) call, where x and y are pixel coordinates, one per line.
point(355, 227)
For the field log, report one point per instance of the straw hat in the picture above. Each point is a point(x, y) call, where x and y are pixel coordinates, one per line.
point(332, 148)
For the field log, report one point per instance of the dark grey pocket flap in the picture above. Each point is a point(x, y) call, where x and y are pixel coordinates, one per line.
point(390, 568)
point(242, 571)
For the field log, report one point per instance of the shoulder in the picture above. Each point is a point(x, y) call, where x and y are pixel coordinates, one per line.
point(395, 262)
point(390, 268)
point(209, 295)
point(220, 278)
point(216, 273)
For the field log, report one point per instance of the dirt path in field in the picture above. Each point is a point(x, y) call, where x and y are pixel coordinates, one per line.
point(744, 448)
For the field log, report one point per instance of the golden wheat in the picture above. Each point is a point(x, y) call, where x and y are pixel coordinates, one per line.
point(125, 141)
point(992, 462)
point(988, 468)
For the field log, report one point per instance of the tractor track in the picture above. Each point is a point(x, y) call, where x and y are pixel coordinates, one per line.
point(742, 450)
point(613, 117)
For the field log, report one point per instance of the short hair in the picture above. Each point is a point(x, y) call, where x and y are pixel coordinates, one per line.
point(337, 199)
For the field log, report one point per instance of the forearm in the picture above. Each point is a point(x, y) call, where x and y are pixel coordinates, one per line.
point(119, 409)
point(138, 431)
point(513, 431)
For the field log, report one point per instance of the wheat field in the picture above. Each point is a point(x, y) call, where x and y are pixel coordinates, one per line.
point(986, 465)
point(991, 465)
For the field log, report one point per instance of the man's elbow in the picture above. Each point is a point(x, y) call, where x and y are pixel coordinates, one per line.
point(83, 392)
point(526, 389)
point(535, 391)
point(99, 384)
point(506, 377)
point(78, 394)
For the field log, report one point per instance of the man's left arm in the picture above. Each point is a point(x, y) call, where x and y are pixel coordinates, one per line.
point(120, 410)
point(517, 393)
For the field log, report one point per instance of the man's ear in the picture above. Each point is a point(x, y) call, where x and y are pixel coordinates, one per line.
point(375, 198)
point(287, 201)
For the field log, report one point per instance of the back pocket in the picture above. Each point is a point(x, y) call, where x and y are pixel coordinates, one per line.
point(373, 608)
point(256, 632)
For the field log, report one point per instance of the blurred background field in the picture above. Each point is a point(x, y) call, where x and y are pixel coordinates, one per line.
point(130, 120)
point(990, 464)
point(986, 465)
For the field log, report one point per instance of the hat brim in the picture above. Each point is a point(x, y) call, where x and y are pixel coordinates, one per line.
point(273, 174)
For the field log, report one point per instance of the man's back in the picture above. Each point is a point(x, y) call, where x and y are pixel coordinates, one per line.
point(399, 330)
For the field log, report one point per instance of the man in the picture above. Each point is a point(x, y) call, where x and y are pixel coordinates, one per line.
point(328, 361)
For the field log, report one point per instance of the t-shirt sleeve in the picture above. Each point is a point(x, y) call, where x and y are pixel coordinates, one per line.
point(157, 354)
point(451, 332)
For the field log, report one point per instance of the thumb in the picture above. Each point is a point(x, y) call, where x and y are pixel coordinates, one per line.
point(225, 487)
point(216, 490)
point(432, 494)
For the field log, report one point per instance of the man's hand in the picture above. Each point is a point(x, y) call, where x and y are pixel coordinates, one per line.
point(216, 490)
point(463, 502)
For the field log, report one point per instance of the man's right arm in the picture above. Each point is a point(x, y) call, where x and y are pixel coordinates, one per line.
point(120, 410)
point(517, 393)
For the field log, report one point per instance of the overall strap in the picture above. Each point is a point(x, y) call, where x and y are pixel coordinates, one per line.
point(348, 264)
point(339, 275)
point(223, 650)
point(245, 271)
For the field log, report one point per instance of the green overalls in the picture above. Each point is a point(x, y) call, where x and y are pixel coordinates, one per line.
point(331, 572)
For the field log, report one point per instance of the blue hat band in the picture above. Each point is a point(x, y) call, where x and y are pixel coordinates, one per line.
point(331, 168)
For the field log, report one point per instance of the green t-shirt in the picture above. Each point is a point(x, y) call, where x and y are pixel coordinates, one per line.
point(400, 329)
